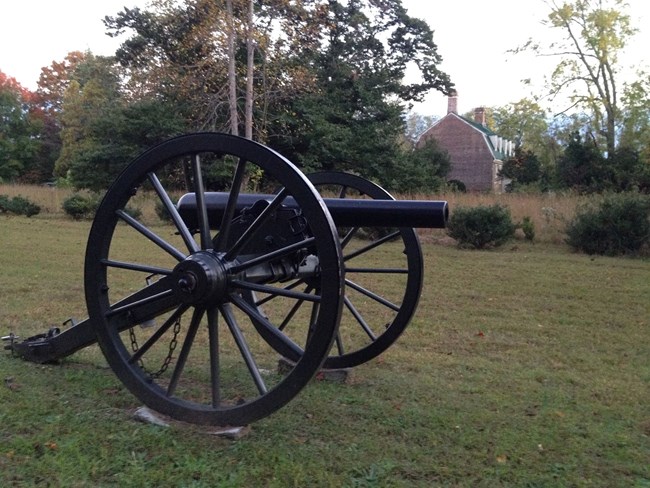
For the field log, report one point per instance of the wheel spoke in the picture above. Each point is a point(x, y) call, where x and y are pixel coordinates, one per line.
point(256, 224)
point(244, 350)
point(245, 285)
point(315, 309)
point(377, 270)
point(339, 344)
point(201, 209)
point(173, 212)
point(273, 295)
point(215, 372)
point(371, 246)
point(278, 253)
point(293, 310)
point(152, 236)
point(136, 267)
point(185, 350)
point(364, 325)
point(229, 212)
point(140, 303)
point(254, 314)
point(348, 237)
point(372, 295)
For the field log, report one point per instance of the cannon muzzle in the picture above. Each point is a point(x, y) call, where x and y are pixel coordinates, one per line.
point(346, 212)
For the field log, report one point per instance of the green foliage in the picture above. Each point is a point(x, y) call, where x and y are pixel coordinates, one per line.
point(86, 100)
point(583, 167)
point(422, 169)
point(619, 224)
point(481, 227)
point(79, 206)
point(525, 123)
point(588, 40)
point(631, 173)
point(456, 186)
point(635, 132)
point(18, 205)
point(353, 119)
point(522, 169)
point(135, 212)
point(18, 130)
point(528, 228)
point(162, 212)
point(102, 130)
point(118, 135)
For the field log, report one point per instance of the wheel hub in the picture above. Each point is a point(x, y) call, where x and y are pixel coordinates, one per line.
point(200, 279)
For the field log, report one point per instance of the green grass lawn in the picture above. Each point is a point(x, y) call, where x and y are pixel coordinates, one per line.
point(524, 366)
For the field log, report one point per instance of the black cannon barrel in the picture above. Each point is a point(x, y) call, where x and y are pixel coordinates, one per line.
point(346, 212)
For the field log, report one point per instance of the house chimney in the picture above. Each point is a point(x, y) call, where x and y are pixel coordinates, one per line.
point(452, 102)
point(479, 115)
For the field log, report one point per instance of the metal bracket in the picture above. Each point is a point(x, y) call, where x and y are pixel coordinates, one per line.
point(11, 339)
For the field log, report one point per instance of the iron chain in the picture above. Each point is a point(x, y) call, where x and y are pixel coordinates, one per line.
point(166, 362)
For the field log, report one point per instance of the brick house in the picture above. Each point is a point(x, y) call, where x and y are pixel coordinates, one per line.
point(476, 153)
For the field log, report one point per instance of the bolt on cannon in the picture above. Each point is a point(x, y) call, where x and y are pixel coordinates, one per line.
point(193, 313)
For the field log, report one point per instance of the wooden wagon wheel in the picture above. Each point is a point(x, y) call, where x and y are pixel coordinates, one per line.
point(383, 274)
point(152, 286)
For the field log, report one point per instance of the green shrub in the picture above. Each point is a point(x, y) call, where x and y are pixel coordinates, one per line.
point(457, 186)
point(79, 206)
point(481, 227)
point(162, 212)
point(619, 224)
point(22, 206)
point(18, 205)
point(528, 228)
point(134, 212)
point(4, 203)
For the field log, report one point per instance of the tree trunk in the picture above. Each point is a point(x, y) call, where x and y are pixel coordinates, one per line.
point(232, 80)
point(250, 70)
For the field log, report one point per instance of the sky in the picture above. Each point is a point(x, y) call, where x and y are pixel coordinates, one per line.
point(473, 37)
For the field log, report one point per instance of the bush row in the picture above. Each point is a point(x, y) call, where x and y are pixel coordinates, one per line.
point(80, 206)
point(18, 205)
point(617, 224)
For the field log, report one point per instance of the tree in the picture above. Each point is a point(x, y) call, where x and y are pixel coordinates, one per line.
point(117, 136)
point(103, 129)
point(353, 119)
point(583, 167)
point(300, 68)
point(93, 92)
point(54, 80)
point(416, 125)
point(635, 133)
point(211, 55)
point(420, 169)
point(592, 34)
point(46, 107)
point(526, 124)
point(523, 168)
point(18, 131)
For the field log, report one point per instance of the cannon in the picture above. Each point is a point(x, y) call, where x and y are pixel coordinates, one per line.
point(192, 313)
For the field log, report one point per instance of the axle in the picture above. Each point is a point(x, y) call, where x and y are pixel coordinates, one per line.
point(346, 212)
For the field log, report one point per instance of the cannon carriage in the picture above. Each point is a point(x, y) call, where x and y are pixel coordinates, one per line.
point(192, 315)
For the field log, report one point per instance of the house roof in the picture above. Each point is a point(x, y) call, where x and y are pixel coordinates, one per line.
point(494, 142)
